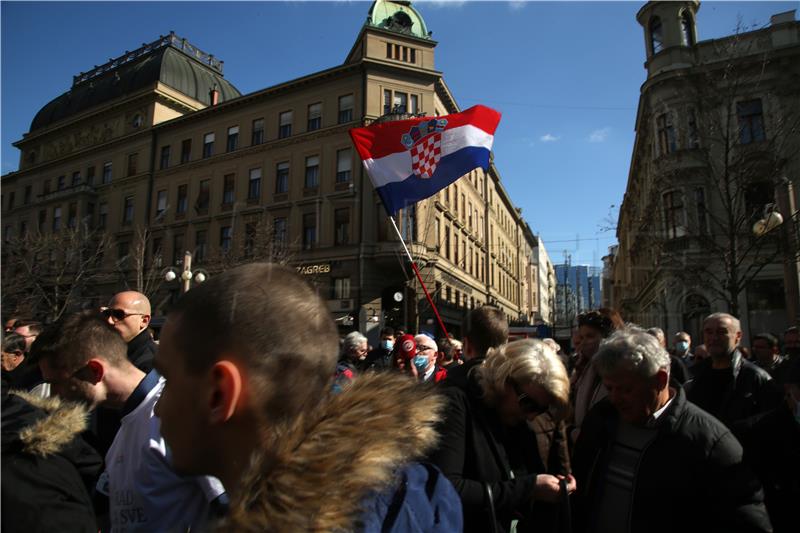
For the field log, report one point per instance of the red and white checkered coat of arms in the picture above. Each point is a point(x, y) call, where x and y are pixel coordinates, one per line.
point(425, 155)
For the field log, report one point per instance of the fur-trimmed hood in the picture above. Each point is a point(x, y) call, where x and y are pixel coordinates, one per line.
point(329, 462)
point(40, 426)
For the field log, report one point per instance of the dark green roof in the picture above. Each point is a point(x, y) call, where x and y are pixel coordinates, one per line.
point(167, 65)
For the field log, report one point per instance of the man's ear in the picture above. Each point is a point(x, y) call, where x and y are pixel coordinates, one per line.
point(226, 394)
point(93, 372)
point(145, 322)
point(662, 379)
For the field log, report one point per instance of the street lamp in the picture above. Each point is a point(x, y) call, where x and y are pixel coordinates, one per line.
point(186, 275)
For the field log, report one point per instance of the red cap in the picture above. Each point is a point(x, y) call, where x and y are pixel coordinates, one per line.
point(407, 347)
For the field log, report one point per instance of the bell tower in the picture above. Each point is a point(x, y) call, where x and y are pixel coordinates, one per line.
point(670, 34)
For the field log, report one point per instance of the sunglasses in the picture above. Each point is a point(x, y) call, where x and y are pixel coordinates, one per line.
point(528, 404)
point(116, 314)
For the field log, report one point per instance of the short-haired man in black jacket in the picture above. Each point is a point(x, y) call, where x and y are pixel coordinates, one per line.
point(726, 385)
point(648, 460)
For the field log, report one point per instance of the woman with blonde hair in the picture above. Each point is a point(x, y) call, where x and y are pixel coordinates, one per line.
point(487, 448)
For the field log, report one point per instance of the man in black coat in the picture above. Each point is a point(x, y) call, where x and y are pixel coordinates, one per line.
point(648, 460)
point(488, 328)
point(726, 385)
point(48, 470)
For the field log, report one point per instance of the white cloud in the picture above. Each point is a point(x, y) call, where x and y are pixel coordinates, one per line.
point(516, 5)
point(443, 3)
point(598, 136)
point(548, 138)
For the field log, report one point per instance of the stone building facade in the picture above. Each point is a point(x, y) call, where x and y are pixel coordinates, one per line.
point(716, 145)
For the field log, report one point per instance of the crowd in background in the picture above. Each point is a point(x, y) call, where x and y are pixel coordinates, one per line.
point(251, 413)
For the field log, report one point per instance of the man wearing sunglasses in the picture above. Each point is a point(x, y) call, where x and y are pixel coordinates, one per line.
point(128, 313)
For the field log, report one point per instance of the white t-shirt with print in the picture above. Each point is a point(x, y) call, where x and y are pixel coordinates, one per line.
point(144, 493)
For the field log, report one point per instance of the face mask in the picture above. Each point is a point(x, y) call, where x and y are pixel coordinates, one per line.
point(682, 346)
point(387, 345)
point(421, 363)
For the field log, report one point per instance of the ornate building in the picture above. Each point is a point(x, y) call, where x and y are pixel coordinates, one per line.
point(716, 139)
point(159, 139)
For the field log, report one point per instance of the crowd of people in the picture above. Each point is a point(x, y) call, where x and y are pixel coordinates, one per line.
point(251, 414)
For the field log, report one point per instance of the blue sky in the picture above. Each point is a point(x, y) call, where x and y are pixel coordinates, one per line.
point(565, 75)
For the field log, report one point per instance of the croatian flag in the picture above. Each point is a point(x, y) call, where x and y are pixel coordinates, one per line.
point(410, 160)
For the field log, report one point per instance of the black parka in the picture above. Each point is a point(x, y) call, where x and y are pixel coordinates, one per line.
point(689, 478)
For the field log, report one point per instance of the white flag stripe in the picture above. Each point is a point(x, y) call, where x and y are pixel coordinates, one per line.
point(397, 166)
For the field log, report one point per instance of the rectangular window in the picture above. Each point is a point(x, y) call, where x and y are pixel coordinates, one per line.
point(61, 182)
point(133, 160)
point(665, 134)
point(46, 187)
point(228, 189)
point(225, 238)
point(42, 219)
point(312, 172)
point(102, 215)
point(28, 194)
point(203, 197)
point(90, 175)
point(258, 132)
point(76, 178)
point(11, 200)
point(455, 199)
point(254, 185)
point(437, 235)
point(279, 232)
point(389, 50)
point(161, 202)
point(341, 288)
point(208, 144)
point(408, 229)
point(284, 124)
point(186, 150)
point(183, 199)
point(282, 178)
point(177, 250)
point(156, 252)
point(314, 116)
point(23, 228)
point(56, 218)
point(751, 121)
point(90, 213)
point(413, 56)
point(200, 244)
point(400, 103)
point(700, 201)
point(233, 139)
point(387, 101)
point(123, 253)
point(250, 231)
point(107, 172)
point(341, 224)
point(309, 230)
point(127, 211)
point(345, 108)
point(447, 243)
point(344, 163)
point(72, 215)
point(455, 250)
point(413, 104)
point(692, 140)
point(673, 214)
point(164, 157)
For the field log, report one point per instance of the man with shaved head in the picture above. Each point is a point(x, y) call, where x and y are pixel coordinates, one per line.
point(725, 384)
point(128, 313)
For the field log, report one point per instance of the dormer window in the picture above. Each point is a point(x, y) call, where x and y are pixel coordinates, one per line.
point(686, 28)
point(656, 36)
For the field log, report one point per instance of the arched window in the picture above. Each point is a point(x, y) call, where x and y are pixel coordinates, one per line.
point(686, 28)
point(656, 36)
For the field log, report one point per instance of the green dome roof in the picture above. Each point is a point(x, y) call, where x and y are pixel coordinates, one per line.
point(166, 64)
point(397, 16)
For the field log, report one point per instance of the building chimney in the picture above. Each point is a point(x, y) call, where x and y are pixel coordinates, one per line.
point(213, 95)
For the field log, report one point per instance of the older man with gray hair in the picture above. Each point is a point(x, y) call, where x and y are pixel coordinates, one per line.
point(726, 385)
point(649, 460)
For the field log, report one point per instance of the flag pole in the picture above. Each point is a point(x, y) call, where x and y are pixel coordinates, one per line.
point(419, 277)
